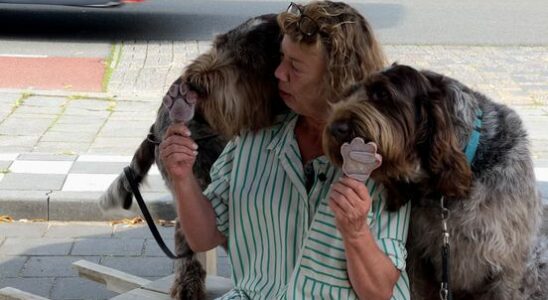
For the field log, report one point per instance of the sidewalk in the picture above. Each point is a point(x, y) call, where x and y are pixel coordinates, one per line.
point(60, 150)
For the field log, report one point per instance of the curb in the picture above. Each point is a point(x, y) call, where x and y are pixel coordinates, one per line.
point(76, 206)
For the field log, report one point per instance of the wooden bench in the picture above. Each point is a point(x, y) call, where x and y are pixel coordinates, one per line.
point(134, 287)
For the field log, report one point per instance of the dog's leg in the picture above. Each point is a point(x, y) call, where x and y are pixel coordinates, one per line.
point(189, 283)
point(119, 190)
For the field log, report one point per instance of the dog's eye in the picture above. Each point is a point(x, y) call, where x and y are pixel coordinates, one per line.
point(379, 93)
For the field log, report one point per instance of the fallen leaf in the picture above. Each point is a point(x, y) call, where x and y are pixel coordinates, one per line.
point(5, 219)
point(133, 221)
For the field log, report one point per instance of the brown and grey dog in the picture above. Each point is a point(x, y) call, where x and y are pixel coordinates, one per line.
point(421, 122)
point(226, 90)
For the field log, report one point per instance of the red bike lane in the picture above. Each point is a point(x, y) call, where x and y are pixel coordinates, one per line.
point(83, 74)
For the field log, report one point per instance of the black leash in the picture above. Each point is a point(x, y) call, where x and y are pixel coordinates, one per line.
point(130, 175)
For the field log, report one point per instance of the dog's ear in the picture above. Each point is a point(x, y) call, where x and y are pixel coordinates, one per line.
point(442, 157)
point(399, 193)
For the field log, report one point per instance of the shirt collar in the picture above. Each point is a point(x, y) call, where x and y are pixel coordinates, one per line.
point(283, 133)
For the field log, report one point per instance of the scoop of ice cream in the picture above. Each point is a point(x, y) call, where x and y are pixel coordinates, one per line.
point(360, 159)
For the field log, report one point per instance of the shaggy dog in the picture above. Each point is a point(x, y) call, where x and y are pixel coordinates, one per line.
point(226, 90)
point(421, 122)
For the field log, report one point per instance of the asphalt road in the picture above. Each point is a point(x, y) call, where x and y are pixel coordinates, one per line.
point(467, 22)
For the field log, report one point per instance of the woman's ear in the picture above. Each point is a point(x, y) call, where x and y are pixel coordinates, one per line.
point(450, 173)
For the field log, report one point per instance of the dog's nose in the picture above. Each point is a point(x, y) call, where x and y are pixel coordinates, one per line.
point(340, 130)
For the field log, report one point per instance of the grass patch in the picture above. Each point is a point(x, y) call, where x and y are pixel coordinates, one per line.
point(111, 106)
point(21, 100)
point(76, 97)
point(111, 63)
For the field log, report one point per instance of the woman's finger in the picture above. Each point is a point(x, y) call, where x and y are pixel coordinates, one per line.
point(342, 201)
point(335, 208)
point(346, 192)
point(177, 129)
point(180, 141)
point(179, 158)
point(174, 148)
point(358, 188)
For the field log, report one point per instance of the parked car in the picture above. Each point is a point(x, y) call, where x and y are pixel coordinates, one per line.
point(82, 3)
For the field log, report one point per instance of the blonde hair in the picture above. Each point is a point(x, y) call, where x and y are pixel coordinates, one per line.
point(352, 50)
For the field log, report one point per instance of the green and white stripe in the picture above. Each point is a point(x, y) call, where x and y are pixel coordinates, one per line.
point(282, 240)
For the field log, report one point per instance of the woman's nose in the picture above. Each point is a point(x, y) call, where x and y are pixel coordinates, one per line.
point(280, 73)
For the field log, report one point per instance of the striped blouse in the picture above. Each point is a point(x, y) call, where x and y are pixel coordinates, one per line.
point(282, 239)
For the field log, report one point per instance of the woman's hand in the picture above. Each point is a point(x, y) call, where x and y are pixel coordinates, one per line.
point(178, 151)
point(350, 201)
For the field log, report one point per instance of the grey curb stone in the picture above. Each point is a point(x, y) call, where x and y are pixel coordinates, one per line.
point(84, 206)
point(24, 204)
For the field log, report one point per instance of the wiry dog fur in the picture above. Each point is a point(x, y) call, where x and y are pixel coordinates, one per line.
point(236, 90)
point(421, 122)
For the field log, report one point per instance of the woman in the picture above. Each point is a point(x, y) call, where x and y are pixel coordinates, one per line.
point(294, 227)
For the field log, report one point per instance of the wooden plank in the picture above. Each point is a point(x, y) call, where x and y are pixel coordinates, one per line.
point(142, 294)
point(209, 261)
point(9, 293)
point(215, 286)
point(115, 280)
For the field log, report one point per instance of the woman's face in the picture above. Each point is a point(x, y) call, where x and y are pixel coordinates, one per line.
point(300, 78)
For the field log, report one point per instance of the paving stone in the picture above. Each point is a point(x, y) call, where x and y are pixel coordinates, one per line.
point(36, 246)
point(80, 120)
point(18, 143)
point(77, 128)
point(40, 167)
point(78, 111)
point(142, 231)
point(54, 266)
point(79, 288)
point(88, 182)
point(11, 266)
point(31, 127)
point(38, 286)
point(32, 182)
point(4, 165)
point(9, 97)
point(125, 247)
point(5, 147)
point(47, 157)
point(61, 148)
point(23, 229)
point(125, 128)
point(45, 101)
point(41, 110)
point(75, 206)
point(62, 137)
point(24, 204)
point(152, 248)
point(151, 266)
point(78, 230)
point(98, 168)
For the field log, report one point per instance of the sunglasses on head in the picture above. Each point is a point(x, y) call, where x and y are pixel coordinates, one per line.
point(306, 25)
